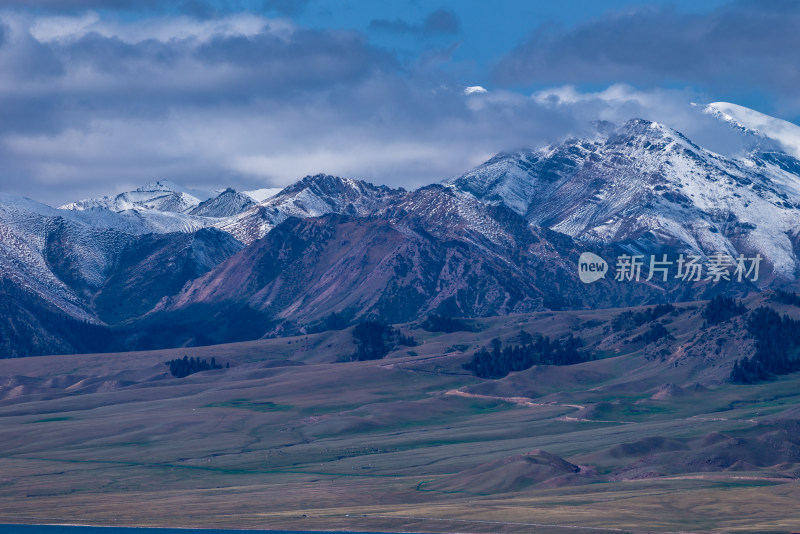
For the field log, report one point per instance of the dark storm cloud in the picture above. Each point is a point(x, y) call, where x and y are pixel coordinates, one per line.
point(104, 76)
point(92, 106)
point(744, 45)
point(310, 59)
point(440, 22)
point(29, 60)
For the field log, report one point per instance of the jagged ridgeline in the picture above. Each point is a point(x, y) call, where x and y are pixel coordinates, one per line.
point(162, 267)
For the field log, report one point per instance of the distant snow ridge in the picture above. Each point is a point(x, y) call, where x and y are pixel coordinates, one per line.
point(160, 195)
point(312, 196)
point(640, 184)
point(26, 229)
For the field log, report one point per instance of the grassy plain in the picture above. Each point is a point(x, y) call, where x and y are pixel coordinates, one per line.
point(289, 438)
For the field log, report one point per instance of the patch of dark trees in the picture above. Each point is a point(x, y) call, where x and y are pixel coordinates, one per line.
point(775, 338)
point(787, 297)
point(448, 325)
point(186, 366)
point(628, 320)
point(656, 332)
point(496, 361)
point(721, 308)
point(375, 339)
point(333, 321)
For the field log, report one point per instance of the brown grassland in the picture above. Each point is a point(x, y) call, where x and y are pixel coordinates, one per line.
point(289, 438)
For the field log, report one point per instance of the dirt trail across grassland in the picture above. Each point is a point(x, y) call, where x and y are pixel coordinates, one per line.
point(528, 402)
point(521, 401)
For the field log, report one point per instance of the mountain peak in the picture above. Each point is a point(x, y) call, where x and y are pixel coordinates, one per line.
point(325, 184)
point(161, 185)
point(645, 183)
point(313, 196)
point(228, 203)
point(161, 195)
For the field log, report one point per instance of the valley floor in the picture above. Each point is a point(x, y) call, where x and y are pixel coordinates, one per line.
point(287, 438)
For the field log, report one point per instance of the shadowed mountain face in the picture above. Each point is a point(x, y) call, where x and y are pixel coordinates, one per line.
point(306, 269)
point(436, 251)
point(30, 326)
point(65, 280)
point(157, 266)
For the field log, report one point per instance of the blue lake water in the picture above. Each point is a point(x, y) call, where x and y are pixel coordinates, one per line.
point(58, 529)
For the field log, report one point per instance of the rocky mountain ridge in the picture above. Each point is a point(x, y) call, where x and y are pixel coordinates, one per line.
point(502, 238)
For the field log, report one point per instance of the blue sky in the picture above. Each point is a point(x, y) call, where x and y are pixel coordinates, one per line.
point(99, 96)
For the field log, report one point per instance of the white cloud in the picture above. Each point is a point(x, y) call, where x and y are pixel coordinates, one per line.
point(474, 90)
point(92, 105)
point(621, 102)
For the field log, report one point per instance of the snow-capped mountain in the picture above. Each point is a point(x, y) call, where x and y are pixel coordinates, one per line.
point(54, 262)
point(645, 184)
point(24, 229)
point(227, 204)
point(161, 195)
point(312, 196)
point(163, 207)
point(501, 238)
point(60, 254)
point(430, 250)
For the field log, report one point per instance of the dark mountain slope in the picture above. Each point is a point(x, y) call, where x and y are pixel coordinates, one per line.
point(155, 266)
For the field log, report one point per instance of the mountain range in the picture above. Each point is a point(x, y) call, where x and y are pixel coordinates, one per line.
point(161, 266)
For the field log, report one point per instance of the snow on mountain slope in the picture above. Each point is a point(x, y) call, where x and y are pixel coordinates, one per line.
point(260, 195)
point(226, 204)
point(161, 195)
point(64, 257)
point(159, 207)
point(644, 183)
point(786, 133)
point(24, 226)
point(312, 196)
point(446, 212)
